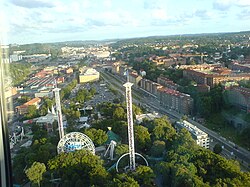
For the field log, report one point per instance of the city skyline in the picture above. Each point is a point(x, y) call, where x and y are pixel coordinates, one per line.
point(42, 21)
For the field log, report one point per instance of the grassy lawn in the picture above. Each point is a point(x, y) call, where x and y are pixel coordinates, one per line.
point(217, 123)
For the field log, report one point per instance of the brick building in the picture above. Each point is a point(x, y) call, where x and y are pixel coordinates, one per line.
point(240, 67)
point(175, 100)
point(239, 97)
point(150, 86)
point(167, 83)
point(212, 75)
point(134, 78)
point(23, 109)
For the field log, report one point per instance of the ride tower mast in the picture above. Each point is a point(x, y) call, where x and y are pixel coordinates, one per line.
point(131, 144)
point(59, 112)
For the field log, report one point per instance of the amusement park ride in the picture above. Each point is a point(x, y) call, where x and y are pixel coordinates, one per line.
point(16, 137)
point(76, 140)
point(131, 153)
point(72, 141)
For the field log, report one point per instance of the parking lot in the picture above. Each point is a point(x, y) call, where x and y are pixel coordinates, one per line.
point(103, 94)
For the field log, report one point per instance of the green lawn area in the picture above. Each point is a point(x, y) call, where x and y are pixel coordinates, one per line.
point(217, 123)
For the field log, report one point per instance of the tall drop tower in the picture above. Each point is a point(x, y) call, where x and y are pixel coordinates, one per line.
point(59, 112)
point(131, 144)
point(128, 86)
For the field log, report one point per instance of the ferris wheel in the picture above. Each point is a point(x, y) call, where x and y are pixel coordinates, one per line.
point(75, 141)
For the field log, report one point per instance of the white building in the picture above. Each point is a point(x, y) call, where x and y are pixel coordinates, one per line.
point(88, 75)
point(148, 116)
point(15, 58)
point(198, 135)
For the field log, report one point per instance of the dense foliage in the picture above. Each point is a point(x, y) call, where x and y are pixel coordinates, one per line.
point(19, 72)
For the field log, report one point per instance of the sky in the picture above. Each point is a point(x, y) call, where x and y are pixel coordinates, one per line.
point(42, 21)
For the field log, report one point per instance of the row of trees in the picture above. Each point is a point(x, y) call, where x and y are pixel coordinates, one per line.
point(66, 91)
point(42, 150)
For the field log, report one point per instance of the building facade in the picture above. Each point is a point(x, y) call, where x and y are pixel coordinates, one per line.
point(175, 100)
point(198, 135)
point(89, 75)
point(239, 97)
point(150, 86)
point(134, 78)
point(167, 83)
point(212, 75)
point(23, 109)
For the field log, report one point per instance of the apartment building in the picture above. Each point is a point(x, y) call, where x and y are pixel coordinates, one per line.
point(198, 135)
point(212, 75)
point(134, 78)
point(239, 97)
point(167, 83)
point(150, 86)
point(175, 100)
point(240, 67)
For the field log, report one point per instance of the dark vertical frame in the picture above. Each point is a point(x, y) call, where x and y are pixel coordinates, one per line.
point(5, 157)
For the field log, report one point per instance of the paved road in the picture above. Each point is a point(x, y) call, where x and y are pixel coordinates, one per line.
point(229, 150)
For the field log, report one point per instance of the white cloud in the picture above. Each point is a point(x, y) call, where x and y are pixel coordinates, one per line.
point(222, 4)
point(226, 4)
point(204, 14)
point(33, 3)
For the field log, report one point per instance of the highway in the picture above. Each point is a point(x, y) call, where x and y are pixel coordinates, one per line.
point(229, 148)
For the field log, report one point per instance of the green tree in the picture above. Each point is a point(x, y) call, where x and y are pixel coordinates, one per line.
point(219, 171)
point(245, 137)
point(119, 114)
point(163, 130)
point(217, 148)
point(92, 91)
point(144, 175)
point(24, 99)
point(136, 110)
point(157, 148)
point(35, 172)
point(121, 149)
point(88, 167)
point(19, 72)
point(98, 136)
point(123, 180)
point(142, 137)
point(31, 112)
